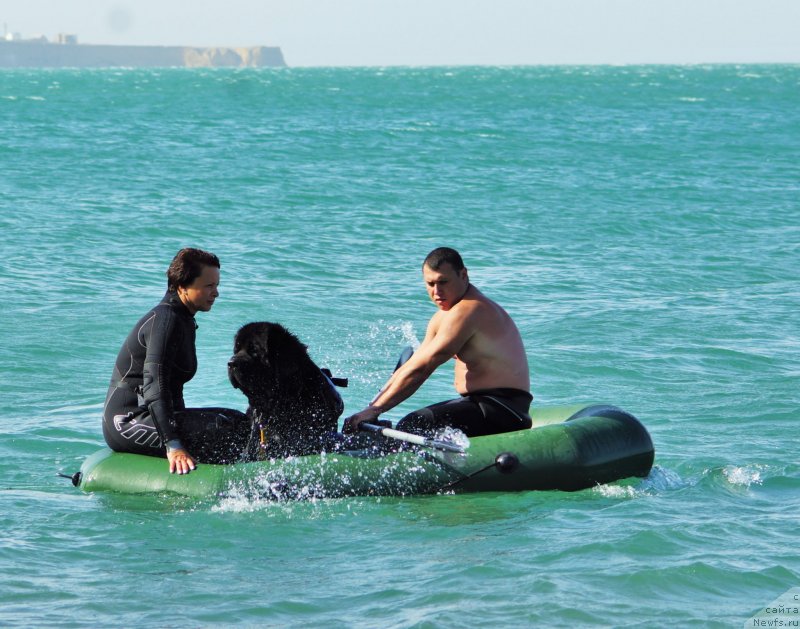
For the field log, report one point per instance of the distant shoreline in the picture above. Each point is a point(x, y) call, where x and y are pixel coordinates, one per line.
point(43, 54)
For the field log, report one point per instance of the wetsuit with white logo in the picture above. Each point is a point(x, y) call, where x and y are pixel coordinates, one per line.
point(144, 407)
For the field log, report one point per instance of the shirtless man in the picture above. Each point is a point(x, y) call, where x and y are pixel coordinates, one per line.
point(491, 369)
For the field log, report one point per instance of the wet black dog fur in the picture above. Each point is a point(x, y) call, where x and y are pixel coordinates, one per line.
point(291, 402)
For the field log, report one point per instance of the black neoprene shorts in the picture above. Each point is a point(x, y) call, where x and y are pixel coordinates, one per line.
point(485, 412)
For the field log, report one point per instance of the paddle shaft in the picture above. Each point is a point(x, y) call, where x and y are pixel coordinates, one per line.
point(415, 439)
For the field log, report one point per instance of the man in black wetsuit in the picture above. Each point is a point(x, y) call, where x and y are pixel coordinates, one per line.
point(144, 411)
point(491, 367)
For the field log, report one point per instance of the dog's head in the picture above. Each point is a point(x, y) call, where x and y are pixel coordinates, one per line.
point(291, 401)
point(264, 356)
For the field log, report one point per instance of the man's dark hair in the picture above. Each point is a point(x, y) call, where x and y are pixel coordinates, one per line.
point(442, 255)
point(187, 266)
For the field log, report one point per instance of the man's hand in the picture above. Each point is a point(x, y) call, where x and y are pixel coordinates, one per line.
point(369, 414)
point(180, 461)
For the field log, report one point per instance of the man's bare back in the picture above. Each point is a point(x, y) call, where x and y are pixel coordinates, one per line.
point(493, 356)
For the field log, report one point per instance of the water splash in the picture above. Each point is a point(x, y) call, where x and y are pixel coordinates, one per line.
point(407, 330)
point(659, 480)
point(743, 475)
point(618, 491)
point(403, 329)
point(335, 475)
point(454, 436)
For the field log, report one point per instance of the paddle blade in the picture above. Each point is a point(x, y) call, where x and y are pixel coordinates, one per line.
point(404, 356)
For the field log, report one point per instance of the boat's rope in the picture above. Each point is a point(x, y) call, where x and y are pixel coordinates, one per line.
point(432, 457)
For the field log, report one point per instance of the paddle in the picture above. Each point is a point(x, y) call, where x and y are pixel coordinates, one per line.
point(417, 440)
point(404, 356)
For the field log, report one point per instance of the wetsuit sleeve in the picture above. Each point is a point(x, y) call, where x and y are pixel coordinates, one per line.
point(158, 362)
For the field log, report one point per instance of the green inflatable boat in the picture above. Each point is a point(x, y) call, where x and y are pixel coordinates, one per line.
point(569, 448)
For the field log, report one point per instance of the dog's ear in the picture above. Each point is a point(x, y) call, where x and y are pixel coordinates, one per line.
point(254, 342)
point(286, 353)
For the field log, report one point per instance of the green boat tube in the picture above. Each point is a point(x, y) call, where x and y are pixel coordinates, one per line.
point(569, 448)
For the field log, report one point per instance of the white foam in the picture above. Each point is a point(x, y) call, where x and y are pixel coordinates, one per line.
point(617, 491)
point(264, 494)
point(746, 476)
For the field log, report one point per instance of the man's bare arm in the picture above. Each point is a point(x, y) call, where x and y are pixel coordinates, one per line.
point(430, 333)
point(448, 333)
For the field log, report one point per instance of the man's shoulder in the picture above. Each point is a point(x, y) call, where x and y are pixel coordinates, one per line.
point(464, 313)
point(484, 313)
point(475, 304)
point(455, 314)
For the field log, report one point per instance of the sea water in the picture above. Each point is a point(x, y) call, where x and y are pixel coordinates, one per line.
point(640, 224)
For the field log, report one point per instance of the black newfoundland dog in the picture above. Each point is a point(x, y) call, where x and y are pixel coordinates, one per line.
point(294, 404)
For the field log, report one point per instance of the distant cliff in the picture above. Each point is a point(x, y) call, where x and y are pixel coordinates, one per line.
point(38, 54)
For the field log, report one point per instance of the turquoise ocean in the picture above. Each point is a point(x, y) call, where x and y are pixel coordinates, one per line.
point(641, 224)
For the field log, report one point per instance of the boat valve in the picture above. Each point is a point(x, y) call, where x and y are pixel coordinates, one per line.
point(506, 462)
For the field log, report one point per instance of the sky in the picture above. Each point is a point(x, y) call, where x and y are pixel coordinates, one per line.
point(435, 32)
